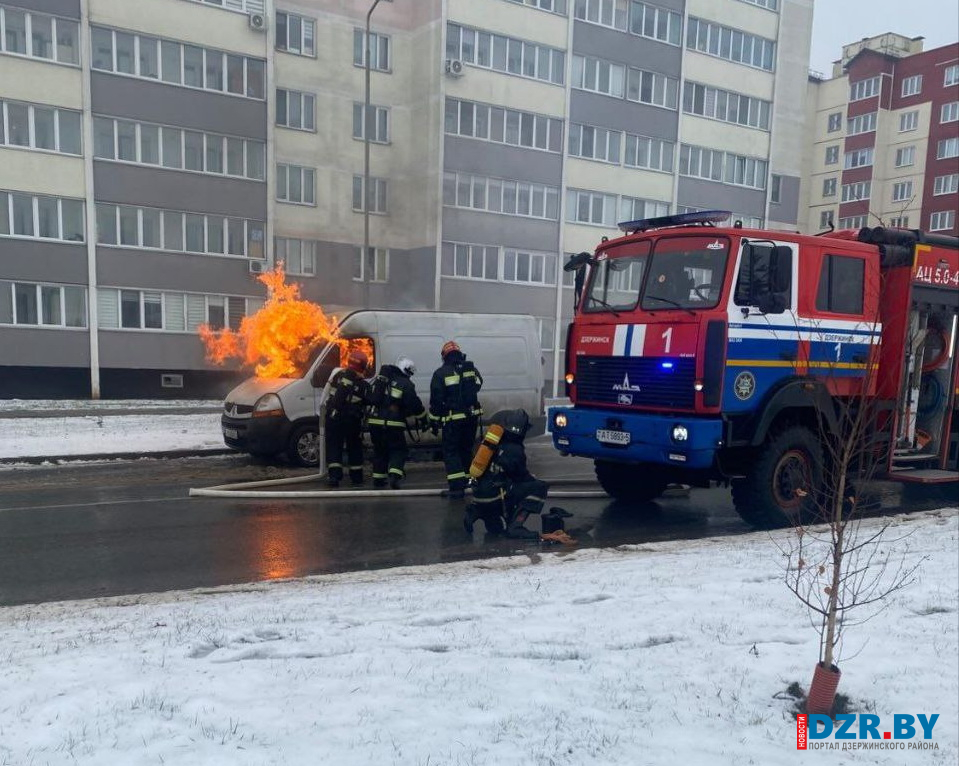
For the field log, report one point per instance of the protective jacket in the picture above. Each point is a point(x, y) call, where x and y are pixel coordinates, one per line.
point(348, 396)
point(393, 399)
point(454, 390)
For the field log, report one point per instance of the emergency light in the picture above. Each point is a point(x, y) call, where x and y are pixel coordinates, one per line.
point(703, 217)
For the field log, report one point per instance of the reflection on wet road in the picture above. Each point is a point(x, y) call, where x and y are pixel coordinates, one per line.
point(122, 528)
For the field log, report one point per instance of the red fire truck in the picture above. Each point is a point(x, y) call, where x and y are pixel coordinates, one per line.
point(702, 353)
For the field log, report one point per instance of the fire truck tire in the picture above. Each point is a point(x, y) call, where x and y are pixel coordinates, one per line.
point(304, 446)
point(633, 483)
point(784, 483)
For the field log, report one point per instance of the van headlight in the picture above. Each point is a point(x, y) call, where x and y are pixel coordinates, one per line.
point(267, 405)
point(560, 420)
point(680, 433)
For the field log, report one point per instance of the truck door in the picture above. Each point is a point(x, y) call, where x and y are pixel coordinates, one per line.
point(763, 347)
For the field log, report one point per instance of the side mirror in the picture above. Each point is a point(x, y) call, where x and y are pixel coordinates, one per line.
point(780, 269)
point(576, 262)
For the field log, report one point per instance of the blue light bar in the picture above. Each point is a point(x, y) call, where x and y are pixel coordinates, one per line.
point(666, 365)
point(681, 219)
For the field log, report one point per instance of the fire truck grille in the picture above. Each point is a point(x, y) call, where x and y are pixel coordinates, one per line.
point(636, 381)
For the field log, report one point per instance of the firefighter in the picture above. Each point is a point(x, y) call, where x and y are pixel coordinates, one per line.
point(506, 493)
point(344, 420)
point(393, 402)
point(455, 408)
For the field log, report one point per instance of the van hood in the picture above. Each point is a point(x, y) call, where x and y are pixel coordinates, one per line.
point(253, 388)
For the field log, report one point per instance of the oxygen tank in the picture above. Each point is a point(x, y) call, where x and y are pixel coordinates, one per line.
point(486, 450)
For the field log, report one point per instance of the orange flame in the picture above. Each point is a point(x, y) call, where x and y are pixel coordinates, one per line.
point(278, 339)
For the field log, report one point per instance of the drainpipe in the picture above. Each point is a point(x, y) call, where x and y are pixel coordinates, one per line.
point(93, 323)
point(367, 130)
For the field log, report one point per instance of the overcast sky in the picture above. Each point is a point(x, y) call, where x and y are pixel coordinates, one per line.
point(838, 22)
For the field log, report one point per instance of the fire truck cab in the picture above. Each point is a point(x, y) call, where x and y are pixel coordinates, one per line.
point(700, 353)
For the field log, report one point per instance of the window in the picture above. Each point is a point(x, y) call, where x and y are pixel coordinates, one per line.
point(178, 149)
point(912, 85)
point(832, 155)
point(772, 5)
point(714, 165)
point(864, 89)
point(834, 122)
point(45, 305)
point(730, 44)
point(650, 153)
point(178, 63)
point(554, 6)
point(946, 184)
point(947, 148)
point(295, 184)
point(634, 209)
point(864, 123)
point(295, 34)
point(908, 121)
point(905, 156)
point(172, 230)
point(381, 123)
point(297, 255)
point(503, 126)
point(829, 187)
point(856, 191)
point(899, 222)
point(379, 50)
point(651, 88)
point(41, 217)
point(775, 189)
point(295, 109)
point(591, 208)
point(727, 106)
point(858, 158)
point(54, 129)
point(374, 268)
point(841, 281)
point(594, 143)
point(529, 268)
point(377, 197)
point(902, 191)
point(949, 112)
point(825, 219)
point(951, 76)
point(505, 54)
point(500, 195)
point(50, 38)
point(170, 312)
point(608, 13)
point(547, 334)
point(599, 76)
point(943, 220)
point(655, 23)
point(470, 261)
point(853, 222)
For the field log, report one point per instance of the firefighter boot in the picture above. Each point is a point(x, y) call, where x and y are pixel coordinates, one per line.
point(356, 477)
point(517, 531)
point(396, 481)
point(470, 516)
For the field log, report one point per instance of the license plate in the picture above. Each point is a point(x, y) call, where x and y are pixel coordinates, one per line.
point(230, 433)
point(617, 438)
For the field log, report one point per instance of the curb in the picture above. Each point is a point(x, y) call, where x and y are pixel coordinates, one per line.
point(162, 455)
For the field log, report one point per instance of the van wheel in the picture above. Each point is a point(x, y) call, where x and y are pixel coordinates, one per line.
point(304, 446)
point(635, 483)
point(784, 483)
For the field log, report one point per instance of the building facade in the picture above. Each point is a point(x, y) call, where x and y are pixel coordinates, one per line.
point(885, 133)
point(155, 155)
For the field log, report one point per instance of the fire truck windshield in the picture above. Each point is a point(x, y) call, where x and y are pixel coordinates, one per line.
point(681, 272)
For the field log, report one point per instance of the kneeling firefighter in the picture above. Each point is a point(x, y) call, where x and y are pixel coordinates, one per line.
point(393, 400)
point(344, 420)
point(506, 493)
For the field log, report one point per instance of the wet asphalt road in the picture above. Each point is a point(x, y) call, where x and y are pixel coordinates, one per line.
point(81, 531)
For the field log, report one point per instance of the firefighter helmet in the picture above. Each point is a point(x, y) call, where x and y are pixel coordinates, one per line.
point(406, 365)
point(357, 361)
point(515, 423)
point(449, 347)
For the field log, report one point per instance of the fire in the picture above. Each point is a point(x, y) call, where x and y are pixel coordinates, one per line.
point(278, 339)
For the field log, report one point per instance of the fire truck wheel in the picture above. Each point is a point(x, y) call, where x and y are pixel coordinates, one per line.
point(304, 446)
point(634, 483)
point(785, 481)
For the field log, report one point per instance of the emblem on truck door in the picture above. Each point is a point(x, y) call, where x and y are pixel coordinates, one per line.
point(745, 385)
point(625, 385)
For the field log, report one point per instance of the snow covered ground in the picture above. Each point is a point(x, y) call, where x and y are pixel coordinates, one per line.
point(105, 405)
point(666, 653)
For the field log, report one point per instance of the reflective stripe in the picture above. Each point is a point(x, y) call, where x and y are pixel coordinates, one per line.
point(396, 393)
point(356, 468)
point(534, 497)
point(435, 417)
point(395, 424)
point(397, 472)
point(487, 499)
point(458, 475)
point(376, 422)
point(457, 416)
point(380, 475)
point(491, 437)
point(334, 465)
point(451, 380)
point(469, 374)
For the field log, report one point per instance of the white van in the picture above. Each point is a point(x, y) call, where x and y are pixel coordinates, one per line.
point(268, 416)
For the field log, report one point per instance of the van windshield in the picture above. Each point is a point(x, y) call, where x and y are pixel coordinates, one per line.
point(332, 359)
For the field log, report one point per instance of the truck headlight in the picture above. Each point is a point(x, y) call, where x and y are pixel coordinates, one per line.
point(570, 378)
point(266, 405)
point(560, 420)
point(680, 433)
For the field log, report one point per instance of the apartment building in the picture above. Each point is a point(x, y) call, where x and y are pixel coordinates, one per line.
point(885, 130)
point(155, 155)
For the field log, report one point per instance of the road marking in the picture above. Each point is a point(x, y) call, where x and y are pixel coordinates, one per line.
point(86, 505)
